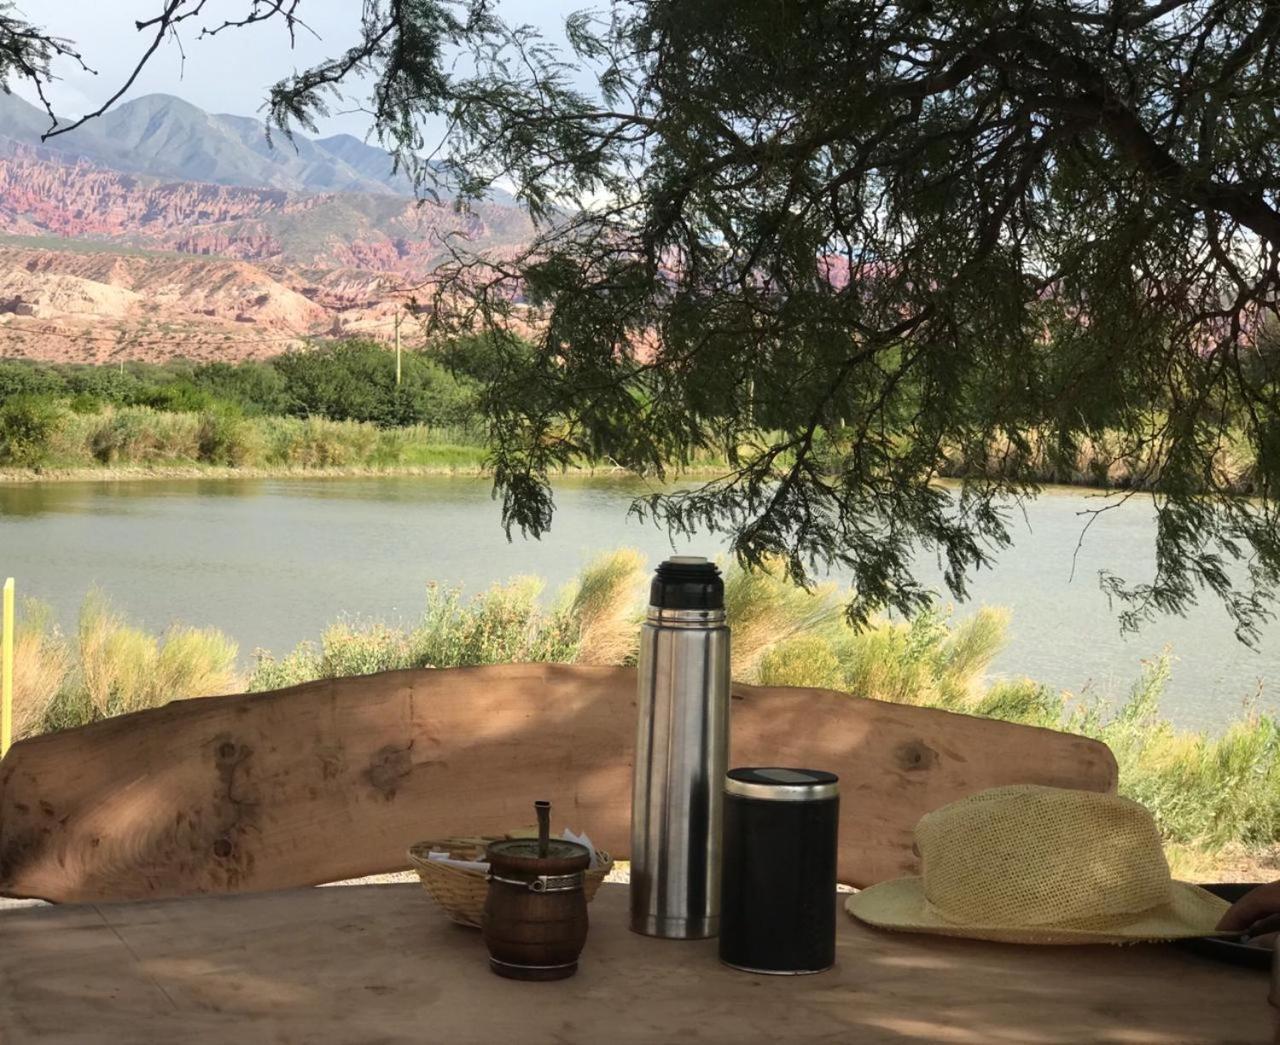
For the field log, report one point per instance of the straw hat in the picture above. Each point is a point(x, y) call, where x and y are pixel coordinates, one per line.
point(1041, 865)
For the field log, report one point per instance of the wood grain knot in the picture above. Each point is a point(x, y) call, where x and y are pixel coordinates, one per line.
point(913, 756)
point(222, 848)
point(226, 751)
point(388, 767)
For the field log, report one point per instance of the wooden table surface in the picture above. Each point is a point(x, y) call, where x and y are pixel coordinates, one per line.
point(380, 964)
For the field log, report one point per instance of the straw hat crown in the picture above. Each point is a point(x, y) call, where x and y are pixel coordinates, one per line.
point(1047, 865)
point(1041, 856)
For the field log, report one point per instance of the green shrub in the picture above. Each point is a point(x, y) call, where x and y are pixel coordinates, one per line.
point(501, 625)
point(69, 444)
point(84, 403)
point(302, 665)
point(27, 423)
point(256, 388)
point(108, 384)
point(225, 438)
point(802, 661)
point(21, 377)
point(350, 648)
point(356, 381)
point(141, 435)
point(175, 397)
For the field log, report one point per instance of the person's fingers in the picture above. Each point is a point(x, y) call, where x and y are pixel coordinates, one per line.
point(1251, 907)
point(1269, 924)
point(1266, 941)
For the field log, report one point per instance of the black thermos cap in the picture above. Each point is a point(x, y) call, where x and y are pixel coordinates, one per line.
point(687, 582)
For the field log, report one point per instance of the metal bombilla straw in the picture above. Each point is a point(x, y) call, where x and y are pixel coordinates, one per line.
point(543, 808)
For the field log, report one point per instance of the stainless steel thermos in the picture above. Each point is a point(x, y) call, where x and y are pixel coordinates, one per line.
point(682, 753)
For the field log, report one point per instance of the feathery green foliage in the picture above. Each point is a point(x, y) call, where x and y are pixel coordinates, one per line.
point(1013, 222)
point(1020, 238)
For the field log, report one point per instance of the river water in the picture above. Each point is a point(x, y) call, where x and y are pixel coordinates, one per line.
point(271, 562)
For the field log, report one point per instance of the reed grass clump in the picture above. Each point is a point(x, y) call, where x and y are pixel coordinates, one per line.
point(42, 662)
point(141, 435)
point(605, 607)
point(1109, 459)
point(765, 609)
point(111, 668)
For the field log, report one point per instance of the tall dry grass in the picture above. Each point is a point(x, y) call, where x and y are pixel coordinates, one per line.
point(112, 668)
point(42, 662)
point(1110, 459)
point(606, 608)
point(764, 610)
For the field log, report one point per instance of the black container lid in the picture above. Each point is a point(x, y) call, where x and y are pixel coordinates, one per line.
point(781, 784)
point(687, 582)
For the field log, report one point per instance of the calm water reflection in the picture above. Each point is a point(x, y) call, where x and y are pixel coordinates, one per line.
point(272, 561)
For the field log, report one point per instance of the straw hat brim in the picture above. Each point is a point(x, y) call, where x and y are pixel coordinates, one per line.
point(900, 905)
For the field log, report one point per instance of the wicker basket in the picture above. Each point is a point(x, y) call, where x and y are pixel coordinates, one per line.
point(461, 892)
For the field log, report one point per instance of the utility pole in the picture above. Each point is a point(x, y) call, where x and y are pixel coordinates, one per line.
point(397, 346)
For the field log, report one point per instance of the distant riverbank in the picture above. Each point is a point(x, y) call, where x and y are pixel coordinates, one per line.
point(49, 442)
point(196, 470)
point(348, 409)
point(455, 462)
point(45, 442)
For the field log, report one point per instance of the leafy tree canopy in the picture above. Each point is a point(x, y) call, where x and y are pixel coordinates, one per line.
point(842, 242)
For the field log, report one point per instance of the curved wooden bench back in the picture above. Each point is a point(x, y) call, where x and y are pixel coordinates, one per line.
point(333, 779)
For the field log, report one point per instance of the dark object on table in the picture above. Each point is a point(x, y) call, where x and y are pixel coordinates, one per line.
point(1273, 995)
point(535, 916)
point(1232, 950)
point(777, 908)
point(682, 752)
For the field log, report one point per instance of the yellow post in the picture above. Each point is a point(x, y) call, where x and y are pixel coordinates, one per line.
point(6, 682)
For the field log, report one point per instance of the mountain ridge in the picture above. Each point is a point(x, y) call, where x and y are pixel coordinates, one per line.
point(164, 136)
point(161, 230)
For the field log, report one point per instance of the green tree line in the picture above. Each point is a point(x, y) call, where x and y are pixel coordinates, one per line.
point(341, 381)
point(352, 380)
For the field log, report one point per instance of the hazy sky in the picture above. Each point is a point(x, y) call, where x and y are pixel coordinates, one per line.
point(228, 73)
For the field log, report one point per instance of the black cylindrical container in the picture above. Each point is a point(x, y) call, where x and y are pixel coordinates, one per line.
point(778, 878)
